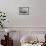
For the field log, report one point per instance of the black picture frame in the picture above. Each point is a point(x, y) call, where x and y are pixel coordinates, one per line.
point(23, 10)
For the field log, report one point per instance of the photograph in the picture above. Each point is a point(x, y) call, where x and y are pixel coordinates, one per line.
point(23, 10)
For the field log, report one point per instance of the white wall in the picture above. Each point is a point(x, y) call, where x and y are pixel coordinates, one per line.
point(36, 17)
point(39, 13)
point(35, 21)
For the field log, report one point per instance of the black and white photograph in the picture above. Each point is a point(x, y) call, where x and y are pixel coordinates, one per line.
point(23, 10)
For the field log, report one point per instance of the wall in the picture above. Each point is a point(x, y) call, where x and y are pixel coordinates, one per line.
point(38, 13)
point(36, 17)
point(35, 21)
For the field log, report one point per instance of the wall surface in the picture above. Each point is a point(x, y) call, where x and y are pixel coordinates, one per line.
point(36, 17)
point(24, 24)
point(35, 21)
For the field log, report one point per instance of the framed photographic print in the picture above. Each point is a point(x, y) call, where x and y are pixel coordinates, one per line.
point(23, 10)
